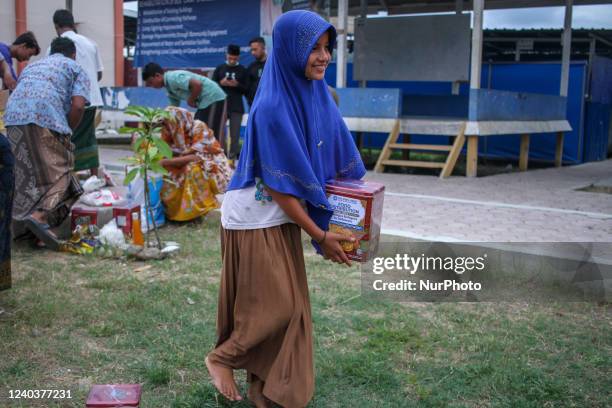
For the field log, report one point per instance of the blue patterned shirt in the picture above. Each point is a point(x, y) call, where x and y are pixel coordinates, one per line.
point(44, 93)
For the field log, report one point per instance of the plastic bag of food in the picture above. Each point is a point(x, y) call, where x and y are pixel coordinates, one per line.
point(101, 198)
point(92, 184)
point(112, 236)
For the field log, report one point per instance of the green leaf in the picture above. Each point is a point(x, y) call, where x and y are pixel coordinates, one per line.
point(149, 148)
point(152, 152)
point(139, 111)
point(161, 114)
point(131, 175)
point(163, 147)
point(131, 160)
point(128, 129)
point(138, 143)
point(158, 168)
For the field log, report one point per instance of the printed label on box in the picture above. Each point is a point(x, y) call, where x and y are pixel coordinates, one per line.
point(349, 212)
point(83, 220)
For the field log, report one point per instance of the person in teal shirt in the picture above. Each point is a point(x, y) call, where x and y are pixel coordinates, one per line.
point(198, 91)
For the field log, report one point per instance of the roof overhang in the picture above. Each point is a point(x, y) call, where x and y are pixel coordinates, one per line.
point(440, 6)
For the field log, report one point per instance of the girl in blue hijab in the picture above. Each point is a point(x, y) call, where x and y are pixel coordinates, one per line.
point(296, 141)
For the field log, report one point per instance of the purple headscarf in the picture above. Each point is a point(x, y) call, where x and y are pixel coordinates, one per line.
point(296, 139)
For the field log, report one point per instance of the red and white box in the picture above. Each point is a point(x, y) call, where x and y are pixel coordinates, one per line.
point(114, 396)
point(358, 208)
point(123, 216)
point(83, 216)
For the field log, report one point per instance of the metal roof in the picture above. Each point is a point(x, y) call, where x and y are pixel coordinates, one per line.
point(544, 44)
point(434, 6)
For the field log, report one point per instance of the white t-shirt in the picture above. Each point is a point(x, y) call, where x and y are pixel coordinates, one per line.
point(251, 208)
point(88, 57)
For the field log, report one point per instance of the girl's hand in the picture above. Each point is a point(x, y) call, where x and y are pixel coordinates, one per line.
point(332, 248)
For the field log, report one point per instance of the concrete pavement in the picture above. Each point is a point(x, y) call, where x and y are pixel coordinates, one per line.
point(543, 205)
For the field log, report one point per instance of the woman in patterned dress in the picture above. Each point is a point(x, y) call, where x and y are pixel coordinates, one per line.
point(198, 171)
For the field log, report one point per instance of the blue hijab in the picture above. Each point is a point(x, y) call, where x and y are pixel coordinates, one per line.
point(296, 139)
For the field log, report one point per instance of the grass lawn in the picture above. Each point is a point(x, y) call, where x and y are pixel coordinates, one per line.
point(72, 321)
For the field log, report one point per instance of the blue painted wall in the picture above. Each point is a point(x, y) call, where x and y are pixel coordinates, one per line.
point(596, 132)
point(493, 104)
point(539, 78)
point(370, 102)
point(601, 80)
point(543, 78)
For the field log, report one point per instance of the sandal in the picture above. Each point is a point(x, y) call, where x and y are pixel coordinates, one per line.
point(42, 233)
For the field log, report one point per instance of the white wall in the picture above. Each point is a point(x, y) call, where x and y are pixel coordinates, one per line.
point(95, 19)
point(7, 21)
point(40, 21)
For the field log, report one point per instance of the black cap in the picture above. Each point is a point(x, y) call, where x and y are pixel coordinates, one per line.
point(233, 49)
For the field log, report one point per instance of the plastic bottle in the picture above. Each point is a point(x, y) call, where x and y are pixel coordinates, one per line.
point(137, 236)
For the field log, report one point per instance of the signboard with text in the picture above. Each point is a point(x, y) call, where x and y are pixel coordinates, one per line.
point(194, 33)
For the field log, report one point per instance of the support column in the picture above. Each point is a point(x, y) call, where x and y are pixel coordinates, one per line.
point(458, 6)
point(471, 165)
point(567, 48)
point(517, 52)
point(476, 63)
point(559, 150)
point(341, 51)
point(475, 76)
point(21, 17)
point(119, 41)
point(565, 68)
point(524, 152)
point(592, 50)
point(363, 11)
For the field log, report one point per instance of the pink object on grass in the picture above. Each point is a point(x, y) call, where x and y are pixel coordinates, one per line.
point(114, 395)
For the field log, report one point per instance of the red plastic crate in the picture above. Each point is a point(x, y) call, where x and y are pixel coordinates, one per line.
point(123, 217)
point(83, 216)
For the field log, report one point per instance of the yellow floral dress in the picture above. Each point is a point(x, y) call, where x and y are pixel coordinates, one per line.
point(190, 192)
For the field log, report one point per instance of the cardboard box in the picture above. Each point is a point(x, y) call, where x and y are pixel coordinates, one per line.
point(358, 207)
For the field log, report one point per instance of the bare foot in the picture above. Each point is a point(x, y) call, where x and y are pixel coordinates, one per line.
point(255, 394)
point(223, 380)
point(39, 216)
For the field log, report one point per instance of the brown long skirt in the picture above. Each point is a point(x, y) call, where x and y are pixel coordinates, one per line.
point(264, 323)
point(43, 173)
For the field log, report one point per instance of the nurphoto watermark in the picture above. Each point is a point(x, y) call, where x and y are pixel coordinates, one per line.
point(505, 272)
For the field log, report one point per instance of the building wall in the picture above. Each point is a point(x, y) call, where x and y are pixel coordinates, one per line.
point(40, 21)
point(7, 21)
point(94, 19)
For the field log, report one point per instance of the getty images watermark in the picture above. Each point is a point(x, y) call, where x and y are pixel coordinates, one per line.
point(534, 272)
point(413, 264)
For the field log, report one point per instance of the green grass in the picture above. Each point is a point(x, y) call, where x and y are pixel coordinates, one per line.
point(73, 321)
